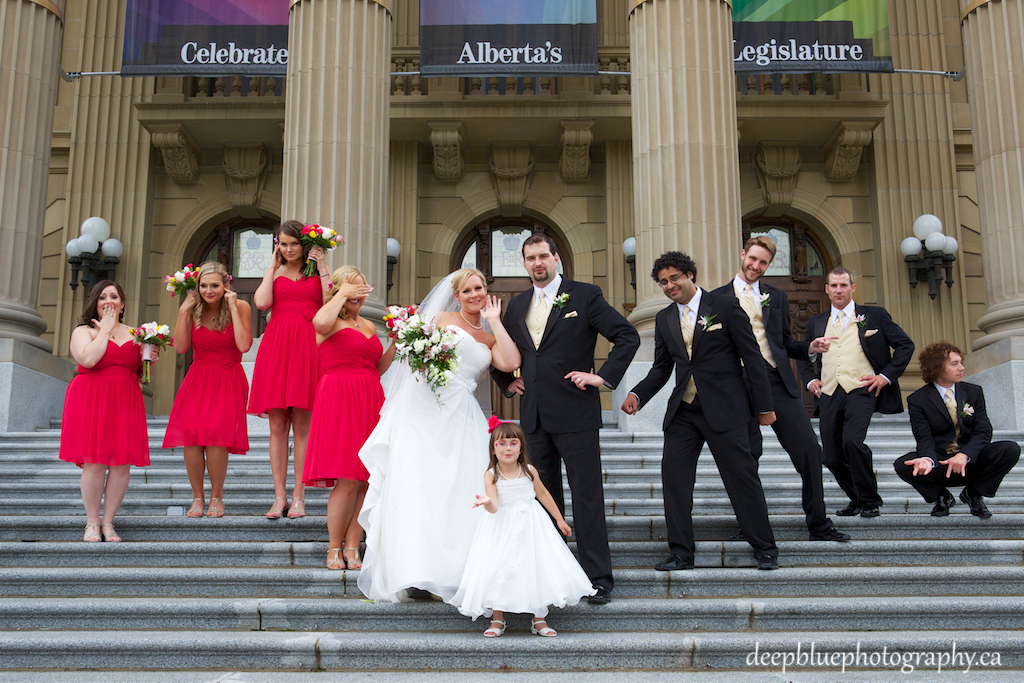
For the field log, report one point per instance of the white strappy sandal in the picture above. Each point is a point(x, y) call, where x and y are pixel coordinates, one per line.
point(546, 631)
point(492, 631)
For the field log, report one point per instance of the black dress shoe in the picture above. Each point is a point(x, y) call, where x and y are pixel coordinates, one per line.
point(977, 503)
point(674, 563)
point(767, 562)
point(831, 535)
point(602, 597)
point(869, 511)
point(942, 505)
point(851, 510)
point(738, 536)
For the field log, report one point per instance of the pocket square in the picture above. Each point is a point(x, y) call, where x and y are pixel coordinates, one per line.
point(870, 332)
point(570, 314)
point(712, 328)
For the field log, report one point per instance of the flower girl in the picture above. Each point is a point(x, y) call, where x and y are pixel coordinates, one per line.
point(517, 562)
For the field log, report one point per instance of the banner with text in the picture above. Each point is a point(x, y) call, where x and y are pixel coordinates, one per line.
point(206, 38)
point(791, 36)
point(508, 37)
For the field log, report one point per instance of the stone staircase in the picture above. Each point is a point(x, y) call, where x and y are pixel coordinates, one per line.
point(251, 594)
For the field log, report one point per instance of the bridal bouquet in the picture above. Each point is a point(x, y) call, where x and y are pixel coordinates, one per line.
point(182, 281)
point(318, 236)
point(428, 349)
point(151, 335)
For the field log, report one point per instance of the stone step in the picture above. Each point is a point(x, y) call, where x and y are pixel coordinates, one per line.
point(958, 526)
point(710, 502)
point(319, 650)
point(744, 675)
point(636, 554)
point(742, 580)
point(666, 614)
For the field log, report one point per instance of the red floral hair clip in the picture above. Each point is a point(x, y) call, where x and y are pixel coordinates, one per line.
point(492, 422)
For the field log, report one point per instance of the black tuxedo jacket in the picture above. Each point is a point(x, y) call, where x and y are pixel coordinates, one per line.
point(876, 336)
point(934, 430)
point(776, 327)
point(567, 345)
point(715, 366)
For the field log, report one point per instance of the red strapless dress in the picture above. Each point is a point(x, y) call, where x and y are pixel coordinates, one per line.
point(287, 368)
point(104, 418)
point(350, 382)
point(209, 409)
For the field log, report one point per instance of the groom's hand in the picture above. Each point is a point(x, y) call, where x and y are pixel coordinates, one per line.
point(631, 405)
point(517, 386)
point(582, 380)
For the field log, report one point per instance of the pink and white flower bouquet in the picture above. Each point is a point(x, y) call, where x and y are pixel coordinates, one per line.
point(318, 236)
point(428, 349)
point(182, 281)
point(151, 335)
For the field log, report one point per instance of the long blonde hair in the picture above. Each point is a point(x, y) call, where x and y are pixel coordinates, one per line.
point(338, 278)
point(223, 317)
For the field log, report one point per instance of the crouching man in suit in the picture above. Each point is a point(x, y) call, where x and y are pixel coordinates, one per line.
point(954, 437)
point(704, 336)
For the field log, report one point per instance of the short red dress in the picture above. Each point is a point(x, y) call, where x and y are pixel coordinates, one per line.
point(104, 418)
point(348, 401)
point(209, 409)
point(287, 366)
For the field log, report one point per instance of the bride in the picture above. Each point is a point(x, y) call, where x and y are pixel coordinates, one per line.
point(426, 456)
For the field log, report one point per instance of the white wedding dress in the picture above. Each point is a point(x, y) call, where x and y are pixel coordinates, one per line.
point(426, 464)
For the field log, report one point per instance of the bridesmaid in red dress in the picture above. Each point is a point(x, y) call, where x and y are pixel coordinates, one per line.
point(287, 367)
point(103, 430)
point(348, 401)
point(208, 416)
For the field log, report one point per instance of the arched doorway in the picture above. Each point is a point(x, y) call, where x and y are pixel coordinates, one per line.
point(800, 268)
point(495, 247)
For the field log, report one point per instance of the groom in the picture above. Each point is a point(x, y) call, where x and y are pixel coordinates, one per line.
point(555, 324)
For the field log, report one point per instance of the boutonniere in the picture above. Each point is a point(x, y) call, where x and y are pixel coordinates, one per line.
point(707, 321)
point(559, 302)
point(860, 320)
point(967, 411)
point(765, 300)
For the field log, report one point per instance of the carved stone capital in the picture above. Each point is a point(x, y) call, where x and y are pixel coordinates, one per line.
point(511, 168)
point(778, 170)
point(179, 152)
point(246, 169)
point(449, 155)
point(574, 162)
point(842, 150)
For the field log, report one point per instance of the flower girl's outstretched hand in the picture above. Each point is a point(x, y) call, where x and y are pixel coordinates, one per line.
point(481, 499)
point(564, 527)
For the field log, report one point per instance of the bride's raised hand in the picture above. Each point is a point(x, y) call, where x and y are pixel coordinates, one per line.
point(492, 309)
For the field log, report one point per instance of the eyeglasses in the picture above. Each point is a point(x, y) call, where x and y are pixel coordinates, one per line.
point(672, 280)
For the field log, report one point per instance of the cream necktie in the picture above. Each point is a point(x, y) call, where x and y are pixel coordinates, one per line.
point(841, 322)
point(538, 318)
point(751, 307)
point(686, 325)
point(951, 407)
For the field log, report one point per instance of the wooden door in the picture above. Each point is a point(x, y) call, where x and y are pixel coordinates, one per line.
point(505, 289)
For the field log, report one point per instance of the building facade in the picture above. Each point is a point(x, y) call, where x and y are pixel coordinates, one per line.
point(668, 146)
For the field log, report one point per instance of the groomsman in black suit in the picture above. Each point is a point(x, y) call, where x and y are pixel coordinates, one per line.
point(555, 324)
point(704, 336)
point(854, 379)
point(954, 437)
point(767, 308)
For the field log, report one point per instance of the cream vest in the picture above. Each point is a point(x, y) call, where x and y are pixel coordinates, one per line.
point(844, 363)
point(754, 312)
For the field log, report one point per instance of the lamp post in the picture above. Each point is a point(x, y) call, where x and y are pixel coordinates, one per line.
point(394, 248)
point(94, 254)
point(629, 251)
point(939, 253)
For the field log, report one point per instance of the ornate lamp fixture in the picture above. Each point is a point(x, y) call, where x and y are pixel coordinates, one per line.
point(629, 251)
point(94, 254)
point(394, 248)
point(939, 252)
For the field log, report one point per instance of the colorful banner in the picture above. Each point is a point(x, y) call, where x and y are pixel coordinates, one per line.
point(206, 38)
point(792, 36)
point(508, 37)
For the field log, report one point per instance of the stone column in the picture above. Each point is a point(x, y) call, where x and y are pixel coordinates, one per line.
point(337, 129)
point(30, 41)
point(685, 157)
point(993, 35)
